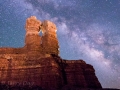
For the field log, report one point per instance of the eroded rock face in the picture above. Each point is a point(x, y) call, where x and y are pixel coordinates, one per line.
point(47, 43)
point(38, 63)
point(49, 38)
point(80, 74)
point(32, 26)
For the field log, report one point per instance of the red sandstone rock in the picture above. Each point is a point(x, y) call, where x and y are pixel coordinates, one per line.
point(38, 63)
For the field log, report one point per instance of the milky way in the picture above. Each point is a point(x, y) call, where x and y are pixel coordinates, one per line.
point(86, 29)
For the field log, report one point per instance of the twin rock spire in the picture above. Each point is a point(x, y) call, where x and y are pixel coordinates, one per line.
point(47, 43)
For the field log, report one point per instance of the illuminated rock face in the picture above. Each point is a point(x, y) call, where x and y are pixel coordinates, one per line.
point(45, 44)
point(38, 63)
point(32, 38)
point(49, 38)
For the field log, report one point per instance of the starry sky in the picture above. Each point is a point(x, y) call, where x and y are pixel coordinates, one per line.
point(86, 29)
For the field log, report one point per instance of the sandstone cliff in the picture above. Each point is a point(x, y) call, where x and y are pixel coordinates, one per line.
point(38, 62)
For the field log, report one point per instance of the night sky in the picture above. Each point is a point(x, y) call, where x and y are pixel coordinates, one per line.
point(86, 29)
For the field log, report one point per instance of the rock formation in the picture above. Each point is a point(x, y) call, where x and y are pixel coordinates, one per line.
point(38, 62)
